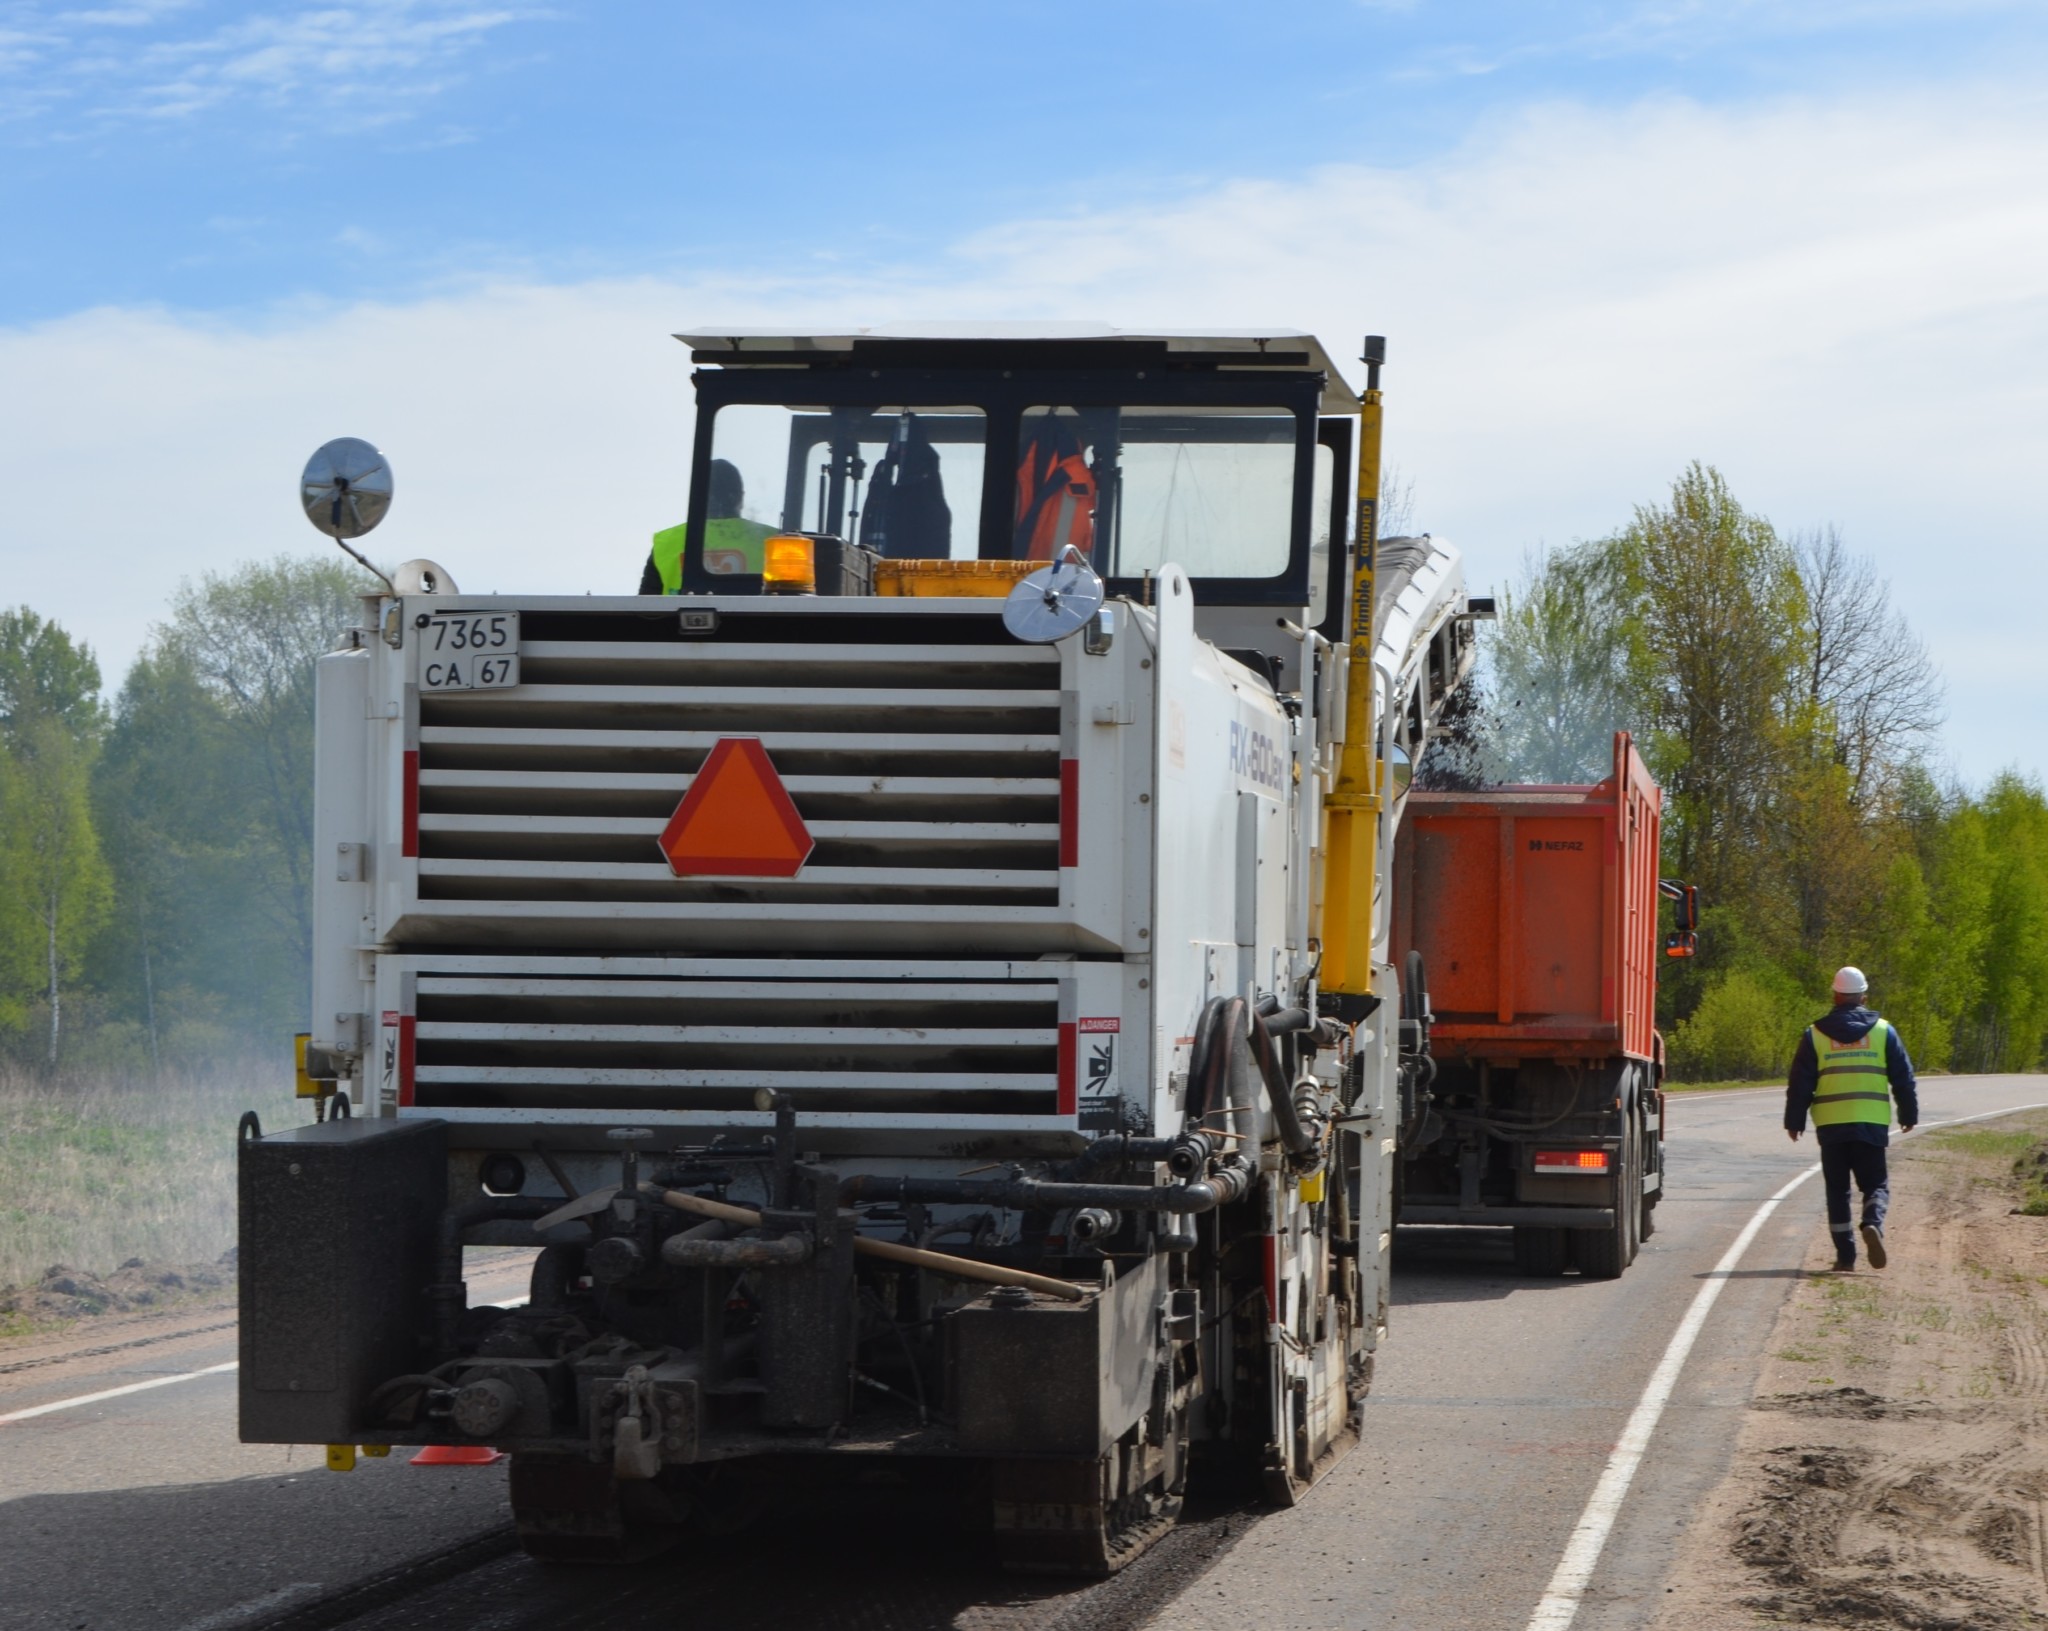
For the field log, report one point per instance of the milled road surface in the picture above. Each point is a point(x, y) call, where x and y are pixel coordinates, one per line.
point(1497, 1403)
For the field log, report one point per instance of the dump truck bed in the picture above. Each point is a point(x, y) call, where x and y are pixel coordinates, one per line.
point(1535, 911)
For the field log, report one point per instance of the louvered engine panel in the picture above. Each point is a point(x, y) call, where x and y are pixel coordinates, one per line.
point(924, 754)
point(924, 982)
point(944, 1053)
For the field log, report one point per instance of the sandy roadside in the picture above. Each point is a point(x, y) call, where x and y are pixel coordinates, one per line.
point(1893, 1467)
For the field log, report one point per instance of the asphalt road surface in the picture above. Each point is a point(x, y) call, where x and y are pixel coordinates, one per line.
point(1497, 1408)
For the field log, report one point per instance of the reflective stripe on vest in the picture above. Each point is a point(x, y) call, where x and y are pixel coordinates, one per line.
point(1854, 1085)
point(732, 545)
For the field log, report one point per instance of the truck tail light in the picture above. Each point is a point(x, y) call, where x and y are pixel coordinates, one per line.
point(1571, 1160)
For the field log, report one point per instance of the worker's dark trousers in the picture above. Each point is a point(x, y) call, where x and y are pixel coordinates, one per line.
point(1865, 1163)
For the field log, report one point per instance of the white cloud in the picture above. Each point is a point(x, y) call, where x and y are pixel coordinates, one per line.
point(1840, 306)
point(339, 66)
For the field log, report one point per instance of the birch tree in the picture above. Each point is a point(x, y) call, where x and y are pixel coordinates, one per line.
point(55, 880)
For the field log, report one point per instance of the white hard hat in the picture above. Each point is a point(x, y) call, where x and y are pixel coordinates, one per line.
point(1849, 982)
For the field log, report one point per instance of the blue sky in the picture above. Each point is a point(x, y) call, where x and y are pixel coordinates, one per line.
point(219, 157)
point(1803, 241)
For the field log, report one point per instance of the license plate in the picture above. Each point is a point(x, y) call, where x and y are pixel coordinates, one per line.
point(468, 651)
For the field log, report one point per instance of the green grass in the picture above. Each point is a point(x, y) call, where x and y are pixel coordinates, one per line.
point(1987, 1142)
point(2026, 1151)
point(1717, 1087)
point(95, 1172)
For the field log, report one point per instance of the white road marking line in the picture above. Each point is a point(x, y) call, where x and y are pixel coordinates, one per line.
point(221, 1618)
point(154, 1381)
point(1560, 1604)
point(115, 1392)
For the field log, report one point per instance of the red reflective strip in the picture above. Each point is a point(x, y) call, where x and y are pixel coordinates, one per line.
point(1070, 812)
point(406, 1023)
point(1070, 1090)
point(410, 813)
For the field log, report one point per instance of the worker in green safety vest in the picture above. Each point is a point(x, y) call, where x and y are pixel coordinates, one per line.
point(1849, 1068)
point(732, 544)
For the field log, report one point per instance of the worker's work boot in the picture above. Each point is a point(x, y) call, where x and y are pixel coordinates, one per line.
point(1845, 1252)
point(1873, 1243)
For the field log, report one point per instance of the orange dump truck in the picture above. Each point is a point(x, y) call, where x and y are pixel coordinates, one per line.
point(1525, 920)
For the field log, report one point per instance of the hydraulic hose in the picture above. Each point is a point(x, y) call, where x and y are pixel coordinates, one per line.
point(553, 1271)
point(449, 1295)
point(1036, 1195)
point(1221, 1050)
point(1295, 1138)
point(1117, 1148)
point(1202, 1062)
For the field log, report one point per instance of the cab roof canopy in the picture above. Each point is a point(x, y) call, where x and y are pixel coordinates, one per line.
point(1025, 345)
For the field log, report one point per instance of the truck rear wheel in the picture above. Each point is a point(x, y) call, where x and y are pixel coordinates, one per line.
point(1603, 1254)
point(1541, 1253)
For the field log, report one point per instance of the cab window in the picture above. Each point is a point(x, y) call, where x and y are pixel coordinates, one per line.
point(1210, 491)
point(904, 481)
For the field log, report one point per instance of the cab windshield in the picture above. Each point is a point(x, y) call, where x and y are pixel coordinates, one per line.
point(1217, 488)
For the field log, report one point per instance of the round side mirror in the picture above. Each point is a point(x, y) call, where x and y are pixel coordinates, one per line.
point(1400, 772)
point(346, 489)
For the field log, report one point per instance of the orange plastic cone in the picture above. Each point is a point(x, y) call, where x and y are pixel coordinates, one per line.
point(456, 1455)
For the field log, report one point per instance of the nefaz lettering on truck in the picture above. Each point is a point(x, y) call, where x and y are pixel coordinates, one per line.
point(923, 988)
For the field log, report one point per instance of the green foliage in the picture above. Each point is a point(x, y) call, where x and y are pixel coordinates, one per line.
point(1786, 708)
point(2011, 1021)
point(1558, 697)
point(154, 861)
point(54, 887)
point(44, 674)
point(208, 784)
point(1712, 614)
point(1745, 1028)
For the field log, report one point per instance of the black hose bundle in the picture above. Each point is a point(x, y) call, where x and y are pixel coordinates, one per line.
point(1229, 1035)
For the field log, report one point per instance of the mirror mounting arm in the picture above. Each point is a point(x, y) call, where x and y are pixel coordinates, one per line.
point(367, 565)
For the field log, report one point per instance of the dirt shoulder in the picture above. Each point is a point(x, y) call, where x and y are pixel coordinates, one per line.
point(1893, 1466)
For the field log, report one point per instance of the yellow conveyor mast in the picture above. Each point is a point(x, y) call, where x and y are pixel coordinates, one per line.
point(1352, 811)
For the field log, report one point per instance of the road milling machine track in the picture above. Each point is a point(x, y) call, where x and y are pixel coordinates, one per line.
point(922, 984)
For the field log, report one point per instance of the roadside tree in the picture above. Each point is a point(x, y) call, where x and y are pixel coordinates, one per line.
point(52, 877)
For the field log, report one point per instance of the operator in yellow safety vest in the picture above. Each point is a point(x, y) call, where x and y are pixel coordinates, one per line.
point(731, 542)
point(1849, 1068)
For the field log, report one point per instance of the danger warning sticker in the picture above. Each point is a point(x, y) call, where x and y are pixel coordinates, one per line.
point(1110, 1024)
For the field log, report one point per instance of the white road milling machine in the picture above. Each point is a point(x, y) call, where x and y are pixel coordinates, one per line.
point(910, 979)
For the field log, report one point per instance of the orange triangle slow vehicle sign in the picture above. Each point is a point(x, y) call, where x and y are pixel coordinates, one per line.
point(736, 821)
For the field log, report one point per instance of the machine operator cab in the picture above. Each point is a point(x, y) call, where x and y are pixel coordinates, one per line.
point(1220, 453)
